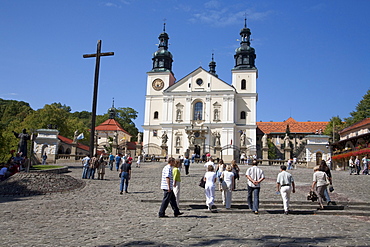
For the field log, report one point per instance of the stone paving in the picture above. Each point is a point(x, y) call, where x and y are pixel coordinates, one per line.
point(97, 215)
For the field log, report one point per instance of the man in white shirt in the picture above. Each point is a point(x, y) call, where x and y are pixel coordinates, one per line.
point(210, 162)
point(255, 176)
point(285, 185)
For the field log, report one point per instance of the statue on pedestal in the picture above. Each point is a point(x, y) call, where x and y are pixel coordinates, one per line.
point(139, 138)
point(22, 145)
point(75, 136)
point(286, 141)
point(264, 141)
point(115, 138)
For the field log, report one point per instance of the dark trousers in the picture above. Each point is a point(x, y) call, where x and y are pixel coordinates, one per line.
point(255, 192)
point(168, 197)
point(186, 169)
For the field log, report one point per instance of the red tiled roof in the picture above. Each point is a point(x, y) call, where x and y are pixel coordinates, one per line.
point(69, 141)
point(294, 126)
point(111, 125)
point(361, 123)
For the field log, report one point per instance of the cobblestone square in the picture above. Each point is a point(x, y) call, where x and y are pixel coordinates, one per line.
point(97, 215)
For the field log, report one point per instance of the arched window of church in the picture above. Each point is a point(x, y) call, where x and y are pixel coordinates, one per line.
point(242, 115)
point(198, 111)
point(244, 85)
point(155, 115)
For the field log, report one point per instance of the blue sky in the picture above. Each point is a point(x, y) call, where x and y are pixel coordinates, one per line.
point(313, 57)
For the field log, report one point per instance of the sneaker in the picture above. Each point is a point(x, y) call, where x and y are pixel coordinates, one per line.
point(255, 212)
point(286, 212)
point(162, 216)
point(213, 207)
point(121, 193)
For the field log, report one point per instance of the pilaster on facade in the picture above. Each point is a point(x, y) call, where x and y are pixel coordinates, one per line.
point(148, 107)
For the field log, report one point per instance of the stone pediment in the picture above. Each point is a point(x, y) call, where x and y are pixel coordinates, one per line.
point(200, 80)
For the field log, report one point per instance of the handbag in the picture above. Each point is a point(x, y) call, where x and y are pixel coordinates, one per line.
point(312, 196)
point(202, 183)
point(331, 188)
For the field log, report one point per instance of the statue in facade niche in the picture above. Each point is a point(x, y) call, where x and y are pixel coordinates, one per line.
point(164, 138)
point(178, 114)
point(192, 139)
point(216, 115)
point(242, 140)
point(217, 139)
point(178, 141)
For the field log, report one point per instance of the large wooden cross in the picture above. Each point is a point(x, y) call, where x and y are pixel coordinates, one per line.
point(98, 54)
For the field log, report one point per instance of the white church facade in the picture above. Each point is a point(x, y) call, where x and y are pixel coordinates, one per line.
point(201, 113)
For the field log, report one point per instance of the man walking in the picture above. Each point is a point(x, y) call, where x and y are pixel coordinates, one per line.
point(125, 176)
point(255, 176)
point(111, 161)
point(285, 185)
point(118, 160)
point(168, 195)
point(86, 165)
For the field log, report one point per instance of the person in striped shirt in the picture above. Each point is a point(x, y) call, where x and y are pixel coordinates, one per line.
point(167, 187)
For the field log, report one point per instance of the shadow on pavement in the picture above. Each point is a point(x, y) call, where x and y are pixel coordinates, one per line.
point(224, 240)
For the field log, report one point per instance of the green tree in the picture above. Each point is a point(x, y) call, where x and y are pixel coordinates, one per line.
point(362, 110)
point(272, 155)
point(12, 114)
point(64, 107)
point(334, 125)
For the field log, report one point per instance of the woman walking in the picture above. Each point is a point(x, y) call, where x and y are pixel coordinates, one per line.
point(209, 189)
point(235, 169)
point(319, 185)
point(220, 168)
point(324, 168)
point(176, 181)
point(228, 180)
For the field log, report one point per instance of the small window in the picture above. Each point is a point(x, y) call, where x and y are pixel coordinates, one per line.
point(155, 115)
point(242, 115)
point(177, 151)
point(244, 85)
point(199, 82)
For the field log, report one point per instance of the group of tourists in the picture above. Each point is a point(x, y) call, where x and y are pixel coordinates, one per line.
point(226, 175)
point(93, 165)
point(355, 165)
point(13, 165)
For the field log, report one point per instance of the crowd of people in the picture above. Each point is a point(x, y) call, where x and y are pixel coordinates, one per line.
point(358, 166)
point(13, 165)
point(224, 177)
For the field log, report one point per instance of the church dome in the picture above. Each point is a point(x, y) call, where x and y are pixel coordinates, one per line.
point(162, 52)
